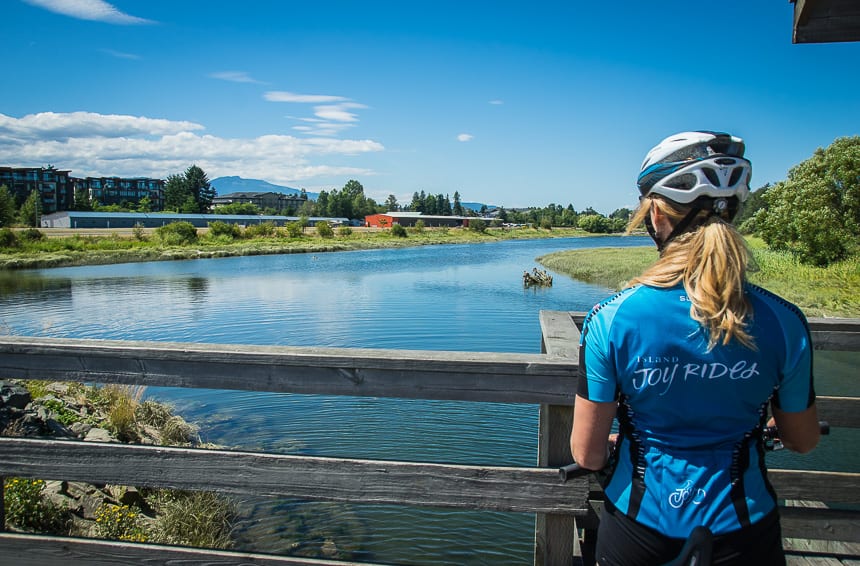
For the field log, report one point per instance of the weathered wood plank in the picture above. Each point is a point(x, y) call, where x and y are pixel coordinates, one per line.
point(831, 487)
point(35, 550)
point(821, 524)
point(559, 334)
point(531, 490)
point(409, 374)
point(839, 411)
point(555, 534)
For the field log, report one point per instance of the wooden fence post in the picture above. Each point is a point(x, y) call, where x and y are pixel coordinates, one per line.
point(556, 541)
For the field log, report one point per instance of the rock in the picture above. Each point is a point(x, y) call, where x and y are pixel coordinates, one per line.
point(99, 435)
point(56, 428)
point(58, 388)
point(14, 395)
point(80, 429)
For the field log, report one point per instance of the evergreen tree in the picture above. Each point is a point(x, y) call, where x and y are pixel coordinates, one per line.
point(7, 207)
point(31, 210)
point(458, 207)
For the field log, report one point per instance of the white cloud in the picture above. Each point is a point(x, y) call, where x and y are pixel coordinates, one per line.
point(105, 145)
point(283, 96)
point(465, 137)
point(497, 102)
point(96, 10)
point(338, 112)
point(333, 113)
point(235, 76)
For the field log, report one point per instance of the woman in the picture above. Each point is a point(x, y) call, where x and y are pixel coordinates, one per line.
point(688, 358)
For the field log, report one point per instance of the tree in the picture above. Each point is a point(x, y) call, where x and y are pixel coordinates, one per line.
point(391, 204)
point(745, 218)
point(458, 206)
point(31, 210)
point(82, 200)
point(7, 207)
point(190, 192)
point(175, 192)
point(815, 212)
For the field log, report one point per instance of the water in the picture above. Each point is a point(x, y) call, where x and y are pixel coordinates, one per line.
point(457, 297)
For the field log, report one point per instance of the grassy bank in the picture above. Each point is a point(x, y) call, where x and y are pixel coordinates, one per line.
point(833, 291)
point(62, 251)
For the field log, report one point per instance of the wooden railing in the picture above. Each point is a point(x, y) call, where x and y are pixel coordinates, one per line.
point(566, 513)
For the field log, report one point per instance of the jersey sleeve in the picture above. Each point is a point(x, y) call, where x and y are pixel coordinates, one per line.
point(796, 391)
point(598, 378)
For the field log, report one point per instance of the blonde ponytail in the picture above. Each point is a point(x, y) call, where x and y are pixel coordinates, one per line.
point(711, 261)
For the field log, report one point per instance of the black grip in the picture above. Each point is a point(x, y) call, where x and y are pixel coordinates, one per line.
point(571, 471)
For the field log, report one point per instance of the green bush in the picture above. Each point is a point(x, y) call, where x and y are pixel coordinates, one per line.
point(199, 519)
point(8, 238)
point(228, 229)
point(324, 229)
point(477, 225)
point(177, 234)
point(261, 230)
point(295, 229)
point(398, 231)
point(27, 509)
point(138, 232)
point(344, 231)
point(120, 522)
point(419, 226)
point(31, 235)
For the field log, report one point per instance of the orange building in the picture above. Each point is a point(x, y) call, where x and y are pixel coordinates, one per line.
point(406, 219)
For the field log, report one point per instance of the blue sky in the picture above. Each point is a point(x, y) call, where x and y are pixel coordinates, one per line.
point(509, 103)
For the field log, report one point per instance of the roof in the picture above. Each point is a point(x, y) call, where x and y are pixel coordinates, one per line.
point(178, 216)
point(410, 214)
point(823, 21)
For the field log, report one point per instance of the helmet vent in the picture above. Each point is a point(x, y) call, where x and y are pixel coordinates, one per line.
point(736, 176)
point(711, 175)
point(682, 182)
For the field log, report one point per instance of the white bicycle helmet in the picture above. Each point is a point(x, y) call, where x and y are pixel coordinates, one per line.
point(690, 165)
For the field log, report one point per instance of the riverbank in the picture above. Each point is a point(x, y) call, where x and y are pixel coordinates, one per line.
point(832, 291)
point(113, 413)
point(64, 248)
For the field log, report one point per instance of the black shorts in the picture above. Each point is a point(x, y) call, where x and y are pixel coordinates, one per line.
point(621, 541)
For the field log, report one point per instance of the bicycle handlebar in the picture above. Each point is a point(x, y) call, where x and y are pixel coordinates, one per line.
point(769, 434)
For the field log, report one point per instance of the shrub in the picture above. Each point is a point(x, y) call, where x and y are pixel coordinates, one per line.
point(261, 230)
point(228, 229)
point(119, 522)
point(477, 225)
point(399, 231)
point(8, 238)
point(138, 233)
point(177, 233)
point(295, 229)
point(344, 231)
point(27, 509)
point(546, 223)
point(31, 235)
point(324, 229)
point(419, 226)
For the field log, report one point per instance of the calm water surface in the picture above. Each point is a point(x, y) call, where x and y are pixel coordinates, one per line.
point(455, 297)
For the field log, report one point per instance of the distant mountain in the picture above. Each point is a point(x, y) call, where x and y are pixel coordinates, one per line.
point(476, 206)
point(227, 185)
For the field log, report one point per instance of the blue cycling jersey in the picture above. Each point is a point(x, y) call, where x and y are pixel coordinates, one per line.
point(690, 450)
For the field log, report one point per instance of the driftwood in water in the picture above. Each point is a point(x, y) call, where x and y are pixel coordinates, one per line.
point(537, 277)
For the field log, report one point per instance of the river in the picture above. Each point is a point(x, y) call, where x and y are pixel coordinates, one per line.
point(456, 297)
